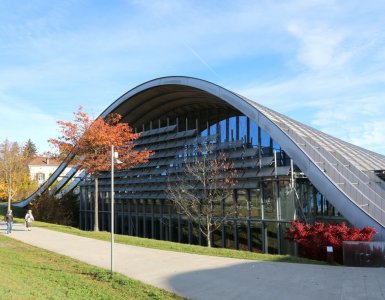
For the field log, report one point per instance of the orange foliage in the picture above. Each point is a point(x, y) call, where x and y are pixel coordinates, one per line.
point(91, 141)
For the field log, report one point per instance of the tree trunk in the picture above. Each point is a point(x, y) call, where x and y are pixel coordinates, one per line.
point(9, 195)
point(9, 202)
point(209, 235)
point(96, 200)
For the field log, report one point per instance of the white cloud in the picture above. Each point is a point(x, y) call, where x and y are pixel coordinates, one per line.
point(319, 56)
point(338, 79)
point(320, 47)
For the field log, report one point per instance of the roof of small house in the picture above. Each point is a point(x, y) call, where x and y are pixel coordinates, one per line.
point(44, 161)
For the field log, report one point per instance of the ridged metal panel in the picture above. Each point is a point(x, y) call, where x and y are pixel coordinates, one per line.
point(322, 154)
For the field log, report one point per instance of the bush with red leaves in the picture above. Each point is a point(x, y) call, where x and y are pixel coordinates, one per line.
point(313, 239)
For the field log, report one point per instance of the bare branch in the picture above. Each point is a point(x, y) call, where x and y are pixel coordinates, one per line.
point(200, 190)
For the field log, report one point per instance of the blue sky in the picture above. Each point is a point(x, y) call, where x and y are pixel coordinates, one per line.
point(320, 62)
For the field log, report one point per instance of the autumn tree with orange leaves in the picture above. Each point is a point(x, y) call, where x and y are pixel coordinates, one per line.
point(89, 142)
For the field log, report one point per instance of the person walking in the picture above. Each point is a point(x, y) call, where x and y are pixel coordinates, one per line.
point(9, 220)
point(28, 220)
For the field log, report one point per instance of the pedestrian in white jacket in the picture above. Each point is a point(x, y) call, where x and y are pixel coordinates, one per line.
point(28, 220)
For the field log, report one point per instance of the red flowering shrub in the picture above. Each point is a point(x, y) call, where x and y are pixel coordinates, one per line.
point(313, 239)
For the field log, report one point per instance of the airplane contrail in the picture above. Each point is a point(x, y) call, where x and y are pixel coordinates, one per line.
point(200, 59)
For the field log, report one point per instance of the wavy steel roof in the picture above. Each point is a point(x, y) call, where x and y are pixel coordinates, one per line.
point(339, 170)
point(363, 159)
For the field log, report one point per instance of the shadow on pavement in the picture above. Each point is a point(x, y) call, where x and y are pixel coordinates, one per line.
point(267, 280)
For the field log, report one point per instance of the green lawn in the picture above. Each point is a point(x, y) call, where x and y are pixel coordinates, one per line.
point(164, 245)
point(32, 273)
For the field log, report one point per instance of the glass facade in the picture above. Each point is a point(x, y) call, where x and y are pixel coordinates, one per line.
point(263, 200)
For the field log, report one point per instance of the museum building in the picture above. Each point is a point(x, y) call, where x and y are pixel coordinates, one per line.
point(285, 170)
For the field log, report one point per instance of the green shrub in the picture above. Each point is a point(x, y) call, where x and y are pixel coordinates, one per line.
point(64, 211)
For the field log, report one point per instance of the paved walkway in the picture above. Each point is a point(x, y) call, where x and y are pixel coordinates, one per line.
point(207, 277)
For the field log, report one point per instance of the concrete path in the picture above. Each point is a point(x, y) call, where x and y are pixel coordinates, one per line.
point(207, 277)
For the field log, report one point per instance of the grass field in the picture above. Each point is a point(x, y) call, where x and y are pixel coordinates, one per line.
point(32, 273)
point(165, 245)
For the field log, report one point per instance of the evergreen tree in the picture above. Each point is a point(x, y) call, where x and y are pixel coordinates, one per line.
point(29, 149)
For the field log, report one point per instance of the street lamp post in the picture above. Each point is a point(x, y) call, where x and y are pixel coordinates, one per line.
point(114, 159)
point(112, 206)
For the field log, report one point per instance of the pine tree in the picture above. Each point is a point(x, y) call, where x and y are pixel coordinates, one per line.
point(29, 149)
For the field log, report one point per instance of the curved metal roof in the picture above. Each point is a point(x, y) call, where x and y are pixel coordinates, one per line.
point(339, 170)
